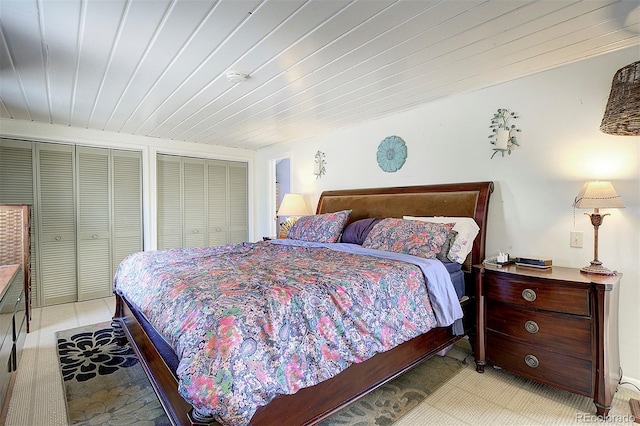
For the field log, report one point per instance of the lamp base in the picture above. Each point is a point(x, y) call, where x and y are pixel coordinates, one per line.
point(596, 268)
point(285, 226)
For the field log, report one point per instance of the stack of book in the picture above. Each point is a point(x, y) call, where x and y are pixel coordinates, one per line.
point(534, 262)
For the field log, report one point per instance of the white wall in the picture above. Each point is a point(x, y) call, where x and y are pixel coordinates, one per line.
point(531, 210)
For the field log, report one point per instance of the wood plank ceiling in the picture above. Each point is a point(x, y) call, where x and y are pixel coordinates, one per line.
point(159, 67)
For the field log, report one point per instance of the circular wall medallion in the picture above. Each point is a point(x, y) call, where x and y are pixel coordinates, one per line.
point(392, 152)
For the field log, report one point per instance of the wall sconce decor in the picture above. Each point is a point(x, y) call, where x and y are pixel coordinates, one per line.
point(597, 195)
point(503, 136)
point(622, 114)
point(318, 167)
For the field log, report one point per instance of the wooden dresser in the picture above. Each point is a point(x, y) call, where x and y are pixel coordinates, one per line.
point(12, 325)
point(15, 244)
point(15, 290)
point(557, 326)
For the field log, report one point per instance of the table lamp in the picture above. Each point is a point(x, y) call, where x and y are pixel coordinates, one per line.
point(597, 195)
point(293, 206)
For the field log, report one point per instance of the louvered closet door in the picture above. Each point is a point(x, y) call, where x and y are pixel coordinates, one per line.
point(16, 187)
point(94, 235)
point(56, 223)
point(238, 202)
point(195, 229)
point(16, 172)
point(169, 202)
point(127, 204)
point(218, 206)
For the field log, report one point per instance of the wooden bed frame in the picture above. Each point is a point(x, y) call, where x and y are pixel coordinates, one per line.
point(310, 405)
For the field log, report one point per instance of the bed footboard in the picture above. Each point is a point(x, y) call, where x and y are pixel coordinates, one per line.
point(160, 375)
point(306, 407)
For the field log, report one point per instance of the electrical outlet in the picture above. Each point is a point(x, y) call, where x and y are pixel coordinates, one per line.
point(576, 239)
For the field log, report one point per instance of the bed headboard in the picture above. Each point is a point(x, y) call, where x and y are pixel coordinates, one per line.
point(455, 199)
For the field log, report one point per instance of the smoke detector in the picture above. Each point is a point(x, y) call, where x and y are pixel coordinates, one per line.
point(236, 77)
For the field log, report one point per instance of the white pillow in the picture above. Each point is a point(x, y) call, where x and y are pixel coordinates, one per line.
point(467, 229)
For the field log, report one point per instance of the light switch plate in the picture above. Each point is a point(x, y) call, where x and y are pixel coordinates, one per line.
point(576, 239)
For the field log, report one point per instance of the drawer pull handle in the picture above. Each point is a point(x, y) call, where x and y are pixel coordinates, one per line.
point(531, 361)
point(531, 327)
point(528, 295)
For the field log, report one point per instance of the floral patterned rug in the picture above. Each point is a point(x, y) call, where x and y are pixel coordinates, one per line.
point(103, 382)
point(105, 385)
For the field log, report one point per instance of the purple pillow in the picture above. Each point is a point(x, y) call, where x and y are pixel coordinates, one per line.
point(356, 232)
point(320, 228)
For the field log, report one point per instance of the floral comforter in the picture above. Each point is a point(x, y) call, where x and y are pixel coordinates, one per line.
point(254, 320)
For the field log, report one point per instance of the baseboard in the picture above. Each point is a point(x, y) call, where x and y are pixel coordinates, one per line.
point(625, 380)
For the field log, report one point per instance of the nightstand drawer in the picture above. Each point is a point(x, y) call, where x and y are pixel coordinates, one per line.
point(563, 333)
point(562, 371)
point(555, 326)
point(538, 294)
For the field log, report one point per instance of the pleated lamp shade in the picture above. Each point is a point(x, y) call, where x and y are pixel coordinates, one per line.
point(598, 195)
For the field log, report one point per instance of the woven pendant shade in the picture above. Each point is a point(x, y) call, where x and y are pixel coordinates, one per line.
point(622, 115)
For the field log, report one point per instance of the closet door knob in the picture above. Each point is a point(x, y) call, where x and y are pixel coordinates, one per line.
point(528, 295)
point(58, 238)
point(195, 231)
point(94, 236)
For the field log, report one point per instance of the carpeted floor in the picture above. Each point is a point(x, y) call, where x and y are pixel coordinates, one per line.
point(104, 384)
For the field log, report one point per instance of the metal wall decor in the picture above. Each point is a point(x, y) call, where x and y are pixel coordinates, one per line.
point(392, 153)
point(503, 133)
point(318, 168)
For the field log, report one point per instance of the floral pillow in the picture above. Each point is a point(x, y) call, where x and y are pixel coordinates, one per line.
point(467, 229)
point(423, 239)
point(443, 256)
point(320, 228)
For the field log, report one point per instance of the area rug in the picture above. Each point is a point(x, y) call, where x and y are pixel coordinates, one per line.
point(105, 385)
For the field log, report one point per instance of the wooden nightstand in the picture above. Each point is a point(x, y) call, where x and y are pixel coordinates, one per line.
point(557, 326)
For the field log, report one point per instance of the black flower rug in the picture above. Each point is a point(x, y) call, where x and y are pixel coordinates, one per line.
point(105, 385)
point(103, 382)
